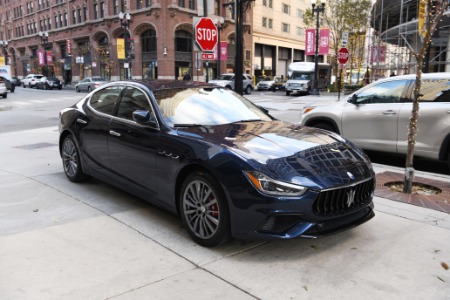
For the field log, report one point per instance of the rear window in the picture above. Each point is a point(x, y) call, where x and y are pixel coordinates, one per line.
point(38, 77)
point(435, 90)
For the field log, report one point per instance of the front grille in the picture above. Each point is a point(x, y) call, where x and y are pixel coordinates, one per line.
point(279, 224)
point(342, 200)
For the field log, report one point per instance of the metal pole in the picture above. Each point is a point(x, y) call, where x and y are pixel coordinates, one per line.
point(317, 10)
point(239, 66)
point(219, 50)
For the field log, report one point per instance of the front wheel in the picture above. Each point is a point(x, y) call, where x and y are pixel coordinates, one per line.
point(288, 93)
point(71, 160)
point(89, 89)
point(77, 89)
point(248, 90)
point(204, 210)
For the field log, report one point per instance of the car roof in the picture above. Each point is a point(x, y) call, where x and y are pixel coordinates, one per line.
point(168, 84)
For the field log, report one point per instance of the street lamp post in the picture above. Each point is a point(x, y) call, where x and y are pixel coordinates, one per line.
point(44, 41)
point(219, 24)
point(125, 20)
point(4, 45)
point(316, 9)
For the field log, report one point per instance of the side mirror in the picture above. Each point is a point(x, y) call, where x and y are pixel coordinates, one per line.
point(145, 117)
point(354, 99)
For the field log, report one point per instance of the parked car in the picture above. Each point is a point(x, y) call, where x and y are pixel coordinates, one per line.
point(265, 84)
point(376, 117)
point(225, 166)
point(227, 81)
point(3, 89)
point(279, 84)
point(16, 81)
point(90, 83)
point(9, 84)
point(31, 80)
point(49, 83)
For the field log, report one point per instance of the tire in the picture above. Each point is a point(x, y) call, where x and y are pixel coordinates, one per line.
point(248, 90)
point(325, 126)
point(288, 93)
point(71, 160)
point(206, 220)
point(228, 87)
point(448, 159)
point(89, 89)
point(77, 89)
point(59, 88)
point(4, 96)
point(24, 86)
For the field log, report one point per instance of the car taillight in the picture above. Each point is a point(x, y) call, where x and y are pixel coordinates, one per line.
point(96, 84)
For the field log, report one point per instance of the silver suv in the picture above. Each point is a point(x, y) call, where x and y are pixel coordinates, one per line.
point(31, 80)
point(227, 81)
point(376, 117)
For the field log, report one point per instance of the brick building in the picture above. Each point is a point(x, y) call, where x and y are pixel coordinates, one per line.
point(83, 36)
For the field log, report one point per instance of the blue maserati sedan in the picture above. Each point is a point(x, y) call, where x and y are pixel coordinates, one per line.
point(223, 164)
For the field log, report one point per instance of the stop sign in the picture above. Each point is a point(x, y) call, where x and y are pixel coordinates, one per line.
point(343, 56)
point(206, 34)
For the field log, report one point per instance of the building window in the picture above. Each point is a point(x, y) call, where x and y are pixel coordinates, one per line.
point(102, 9)
point(300, 13)
point(183, 41)
point(85, 13)
point(66, 19)
point(270, 4)
point(285, 27)
point(138, 4)
point(79, 15)
point(49, 23)
point(300, 31)
point(148, 3)
point(181, 3)
point(191, 4)
point(264, 22)
point(270, 24)
point(116, 7)
point(60, 20)
point(95, 11)
point(264, 2)
point(286, 9)
point(74, 16)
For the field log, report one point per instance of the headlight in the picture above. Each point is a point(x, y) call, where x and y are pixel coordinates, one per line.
point(269, 186)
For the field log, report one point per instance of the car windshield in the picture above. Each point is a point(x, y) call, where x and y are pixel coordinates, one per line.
point(98, 79)
point(226, 77)
point(199, 106)
point(300, 76)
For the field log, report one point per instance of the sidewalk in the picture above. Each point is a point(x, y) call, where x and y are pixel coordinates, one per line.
point(60, 240)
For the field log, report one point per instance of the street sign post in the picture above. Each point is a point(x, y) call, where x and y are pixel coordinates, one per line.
point(206, 34)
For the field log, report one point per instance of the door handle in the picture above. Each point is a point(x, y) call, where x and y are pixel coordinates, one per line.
point(389, 112)
point(112, 132)
point(81, 121)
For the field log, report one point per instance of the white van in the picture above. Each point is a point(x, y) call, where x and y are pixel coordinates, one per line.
point(301, 77)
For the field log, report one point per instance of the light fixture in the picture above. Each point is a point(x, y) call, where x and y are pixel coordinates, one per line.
point(165, 51)
point(317, 7)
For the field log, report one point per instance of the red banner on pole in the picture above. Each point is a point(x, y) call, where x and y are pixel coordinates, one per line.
point(378, 54)
point(41, 58)
point(310, 41)
point(49, 55)
point(324, 41)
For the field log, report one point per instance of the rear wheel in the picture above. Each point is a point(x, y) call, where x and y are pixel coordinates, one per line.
point(71, 160)
point(89, 89)
point(248, 90)
point(77, 89)
point(288, 93)
point(204, 210)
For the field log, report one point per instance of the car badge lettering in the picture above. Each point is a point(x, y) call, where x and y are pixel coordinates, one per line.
point(351, 196)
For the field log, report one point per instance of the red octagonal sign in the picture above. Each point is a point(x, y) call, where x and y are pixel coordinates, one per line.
point(343, 55)
point(206, 34)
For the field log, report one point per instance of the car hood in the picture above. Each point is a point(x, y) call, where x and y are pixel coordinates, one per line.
point(301, 155)
point(219, 82)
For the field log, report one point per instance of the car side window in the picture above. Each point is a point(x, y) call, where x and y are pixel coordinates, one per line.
point(435, 90)
point(105, 99)
point(385, 92)
point(133, 99)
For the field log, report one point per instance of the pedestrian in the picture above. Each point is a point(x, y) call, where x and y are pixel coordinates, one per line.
point(186, 76)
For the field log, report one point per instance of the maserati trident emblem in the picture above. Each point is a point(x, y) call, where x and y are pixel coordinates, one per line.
point(350, 196)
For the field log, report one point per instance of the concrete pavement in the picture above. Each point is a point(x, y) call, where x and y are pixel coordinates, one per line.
point(60, 240)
